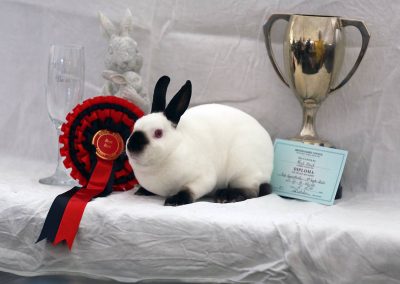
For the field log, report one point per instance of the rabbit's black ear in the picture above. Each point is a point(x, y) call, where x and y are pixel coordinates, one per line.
point(160, 91)
point(179, 103)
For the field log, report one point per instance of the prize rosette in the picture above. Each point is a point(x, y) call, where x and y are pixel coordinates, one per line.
point(93, 140)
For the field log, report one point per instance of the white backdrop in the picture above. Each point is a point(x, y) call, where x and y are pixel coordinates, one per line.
point(219, 46)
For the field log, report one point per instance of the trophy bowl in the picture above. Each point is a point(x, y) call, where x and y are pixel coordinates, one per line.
point(313, 52)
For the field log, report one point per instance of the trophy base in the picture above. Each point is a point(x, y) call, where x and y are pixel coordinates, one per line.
point(318, 142)
point(312, 141)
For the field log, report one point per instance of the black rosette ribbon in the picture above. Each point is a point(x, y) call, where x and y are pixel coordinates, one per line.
point(93, 139)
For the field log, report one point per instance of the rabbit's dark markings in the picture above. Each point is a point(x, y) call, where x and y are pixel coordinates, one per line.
point(160, 92)
point(227, 195)
point(144, 192)
point(181, 198)
point(137, 142)
point(179, 103)
point(265, 189)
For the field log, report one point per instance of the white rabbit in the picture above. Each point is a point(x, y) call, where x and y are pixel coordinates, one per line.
point(128, 86)
point(208, 149)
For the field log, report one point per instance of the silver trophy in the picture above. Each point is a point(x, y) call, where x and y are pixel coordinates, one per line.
point(313, 51)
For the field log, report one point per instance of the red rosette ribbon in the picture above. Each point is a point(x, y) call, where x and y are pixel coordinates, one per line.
point(93, 139)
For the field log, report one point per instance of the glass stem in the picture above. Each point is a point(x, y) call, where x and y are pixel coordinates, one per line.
point(60, 165)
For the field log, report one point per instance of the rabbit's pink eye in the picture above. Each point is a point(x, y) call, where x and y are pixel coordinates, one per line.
point(158, 133)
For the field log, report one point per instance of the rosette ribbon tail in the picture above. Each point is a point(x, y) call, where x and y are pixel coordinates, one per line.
point(53, 219)
point(65, 214)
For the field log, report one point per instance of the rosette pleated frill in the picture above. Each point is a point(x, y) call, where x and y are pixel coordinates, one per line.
point(93, 139)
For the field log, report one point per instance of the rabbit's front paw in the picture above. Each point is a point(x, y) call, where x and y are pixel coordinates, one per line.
point(181, 198)
point(144, 192)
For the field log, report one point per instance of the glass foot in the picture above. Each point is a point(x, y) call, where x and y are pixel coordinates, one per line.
point(59, 178)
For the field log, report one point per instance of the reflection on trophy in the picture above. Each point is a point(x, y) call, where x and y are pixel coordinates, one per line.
point(313, 51)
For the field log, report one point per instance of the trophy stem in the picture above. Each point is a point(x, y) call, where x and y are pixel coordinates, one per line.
point(308, 134)
point(309, 115)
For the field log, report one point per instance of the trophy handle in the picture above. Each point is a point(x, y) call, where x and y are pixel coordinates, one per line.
point(365, 40)
point(267, 33)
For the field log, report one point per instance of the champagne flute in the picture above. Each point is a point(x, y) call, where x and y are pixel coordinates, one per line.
point(64, 90)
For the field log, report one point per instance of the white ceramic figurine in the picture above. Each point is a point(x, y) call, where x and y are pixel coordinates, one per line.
point(122, 57)
point(129, 86)
point(208, 149)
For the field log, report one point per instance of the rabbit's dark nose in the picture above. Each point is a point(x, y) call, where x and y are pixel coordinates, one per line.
point(137, 142)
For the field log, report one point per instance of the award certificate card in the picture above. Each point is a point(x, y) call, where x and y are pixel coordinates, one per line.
point(307, 172)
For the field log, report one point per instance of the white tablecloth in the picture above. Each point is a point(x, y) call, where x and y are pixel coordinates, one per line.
point(264, 240)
